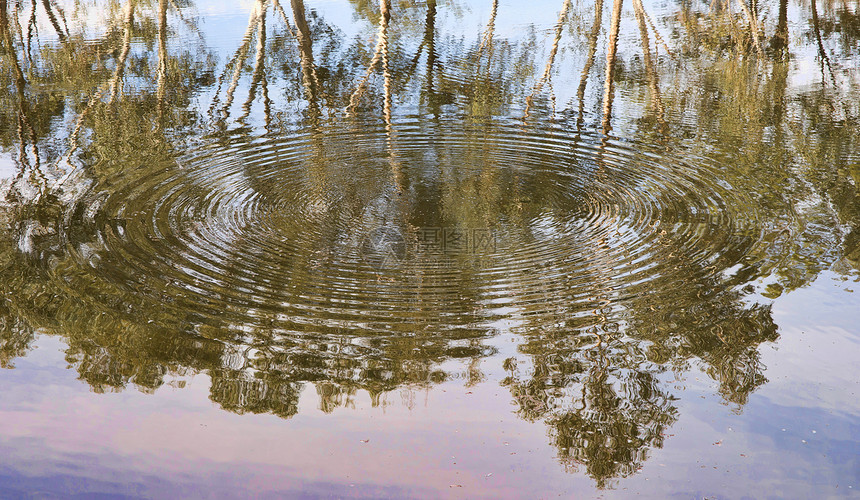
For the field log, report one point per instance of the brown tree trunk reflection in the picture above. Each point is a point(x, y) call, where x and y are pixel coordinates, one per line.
point(128, 25)
point(487, 39)
point(430, 42)
point(238, 61)
point(380, 55)
point(544, 79)
point(650, 70)
point(779, 41)
point(162, 56)
point(589, 60)
point(822, 53)
point(611, 53)
point(54, 22)
point(25, 129)
point(259, 65)
point(306, 54)
point(753, 26)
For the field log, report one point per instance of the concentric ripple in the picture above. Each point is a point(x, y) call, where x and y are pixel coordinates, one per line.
point(438, 227)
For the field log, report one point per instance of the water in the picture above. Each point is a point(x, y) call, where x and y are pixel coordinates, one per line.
point(431, 253)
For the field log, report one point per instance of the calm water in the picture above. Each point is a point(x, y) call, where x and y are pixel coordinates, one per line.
point(454, 248)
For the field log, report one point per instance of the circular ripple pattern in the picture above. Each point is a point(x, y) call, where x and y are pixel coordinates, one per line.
point(438, 227)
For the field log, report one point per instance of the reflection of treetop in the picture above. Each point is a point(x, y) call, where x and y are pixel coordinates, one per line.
point(82, 112)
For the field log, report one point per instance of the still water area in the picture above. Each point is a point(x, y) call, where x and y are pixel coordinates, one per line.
point(448, 248)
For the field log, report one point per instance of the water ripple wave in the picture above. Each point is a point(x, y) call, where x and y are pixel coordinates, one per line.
point(448, 225)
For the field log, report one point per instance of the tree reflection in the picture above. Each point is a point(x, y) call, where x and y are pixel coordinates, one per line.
point(604, 409)
point(596, 374)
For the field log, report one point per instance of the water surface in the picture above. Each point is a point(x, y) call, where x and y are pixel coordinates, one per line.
point(363, 249)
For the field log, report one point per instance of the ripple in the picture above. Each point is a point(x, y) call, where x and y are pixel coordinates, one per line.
point(444, 226)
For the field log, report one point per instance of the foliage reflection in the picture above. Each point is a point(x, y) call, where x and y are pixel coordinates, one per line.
point(88, 119)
